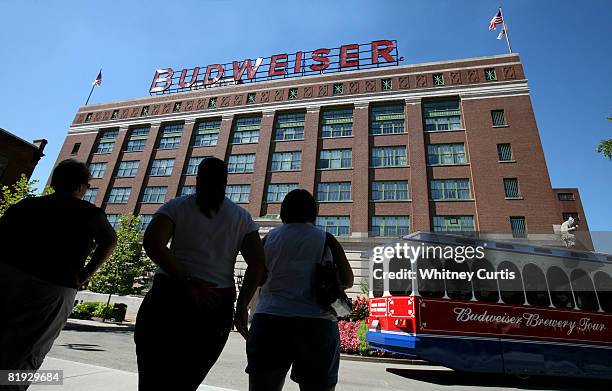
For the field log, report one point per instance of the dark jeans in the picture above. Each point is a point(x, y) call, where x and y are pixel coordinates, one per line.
point(177, 343)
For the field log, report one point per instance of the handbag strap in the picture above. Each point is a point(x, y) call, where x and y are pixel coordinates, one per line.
point(325, 246)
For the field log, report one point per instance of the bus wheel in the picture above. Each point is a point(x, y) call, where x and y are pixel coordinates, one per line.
point(523, 377)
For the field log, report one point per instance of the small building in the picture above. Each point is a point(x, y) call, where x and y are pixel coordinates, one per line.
point(18, 156)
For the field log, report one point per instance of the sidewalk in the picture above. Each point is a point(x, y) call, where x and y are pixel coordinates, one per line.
point(85, 377)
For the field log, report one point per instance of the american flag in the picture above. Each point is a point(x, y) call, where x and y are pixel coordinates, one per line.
point(98, 80)
point(497, 19)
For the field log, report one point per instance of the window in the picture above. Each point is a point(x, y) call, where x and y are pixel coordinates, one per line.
point(250, 98)
point(246, 130)
point(207, 133)
point(335, 158)
point(90, 195)
point(238, 193)
point(171, 136)
point(573, 215)
point(88, 117)
point(334, 191)
point(138, 139)
point(446, 154)
point(128, 168)
point(453, 223)
point(450, 189)
point(162, 167)
point(566, 197)
point(511, 188)
point(442, 116)
point(212, 103)
point(429, 287)
point(286, 161)
point(387, 119)
point(335, 225)
point(289, 127)
point(485, 289)
point(386, 84)
point(293, 93)
point(188, 190)
point(241, 163)
point(559, 285)
point(75, 148)
point(154, 194)
point(114, 220)
point(97, 169)
point(338, 88)
point(337, 123)
point(192, 165)
point(490, 74)
point(517, 224)
point(390, 191)
point(119, 195)
point(504, 151)
point(393, 226)
point(278, 191)
point(458, 288)
point(399, 286)
point(389, 156)
point(106, 142)
point(498, 118)
point(603, 284)
point(114, 114)
point(511, 289)
point(584, 290)
point(535, 286)
point(176, 107)
point(438, 79)
point(144, 221)
point(144, 111)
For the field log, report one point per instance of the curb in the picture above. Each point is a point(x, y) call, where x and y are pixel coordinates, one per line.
point(385, 360)
point(98, 324)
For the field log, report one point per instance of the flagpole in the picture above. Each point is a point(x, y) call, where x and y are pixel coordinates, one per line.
point(93, 85)
point(505, 30)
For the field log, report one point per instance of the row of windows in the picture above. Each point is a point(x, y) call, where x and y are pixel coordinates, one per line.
point(533, 286)
point(388, 119)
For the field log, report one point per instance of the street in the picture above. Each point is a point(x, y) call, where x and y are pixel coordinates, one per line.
point(113, 347)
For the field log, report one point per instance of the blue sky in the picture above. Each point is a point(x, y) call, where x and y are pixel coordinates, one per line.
point(51, 51)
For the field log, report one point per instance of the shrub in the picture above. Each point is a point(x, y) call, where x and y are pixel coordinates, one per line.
point(360, 309)
point(349, 343)
point(84, 310)
point(104, 311)
point(364, 346)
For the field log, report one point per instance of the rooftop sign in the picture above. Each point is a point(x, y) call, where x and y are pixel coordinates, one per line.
point(279, 66)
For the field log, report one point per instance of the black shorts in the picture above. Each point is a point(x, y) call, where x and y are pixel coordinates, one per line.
point(310, 345)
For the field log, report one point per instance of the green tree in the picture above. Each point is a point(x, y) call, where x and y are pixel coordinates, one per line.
point(127, 269)
point(23, 188)
point(605, 146)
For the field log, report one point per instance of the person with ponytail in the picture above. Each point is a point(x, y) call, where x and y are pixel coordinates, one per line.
point(185, 319)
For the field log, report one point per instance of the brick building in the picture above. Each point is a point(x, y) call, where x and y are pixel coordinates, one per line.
point(445, 146)
point(17, 157)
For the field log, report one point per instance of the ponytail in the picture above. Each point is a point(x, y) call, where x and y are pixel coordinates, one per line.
point(210, 187)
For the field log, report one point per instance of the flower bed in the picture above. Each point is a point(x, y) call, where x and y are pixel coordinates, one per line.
point(353, 330)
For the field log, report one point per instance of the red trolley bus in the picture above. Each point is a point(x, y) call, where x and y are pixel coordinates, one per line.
point(553, 318)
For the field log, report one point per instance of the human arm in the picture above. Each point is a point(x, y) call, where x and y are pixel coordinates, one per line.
point(253, 253)
point(344, 267)
point(105, 239)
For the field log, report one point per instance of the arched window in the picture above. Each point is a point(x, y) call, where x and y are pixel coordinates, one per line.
point(535, 286)
point(603, 283)
point(485, 287)
point(457, 288)
point(400, 286)
point(559, 285)
point(378, 284)
point(584, 291)
point(429, 285)
point(511, 289)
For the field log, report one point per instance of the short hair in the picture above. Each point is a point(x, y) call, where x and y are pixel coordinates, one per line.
point(210, 185)
point(299, 206)
point(69, 175)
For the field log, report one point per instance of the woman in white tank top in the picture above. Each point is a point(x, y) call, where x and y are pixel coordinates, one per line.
point(289, 328)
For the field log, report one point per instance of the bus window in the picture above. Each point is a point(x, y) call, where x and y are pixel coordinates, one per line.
point(560, 291)
point(400, 286)
point(459, 289)
point(603, 283)
point(511, 289)
point(378, 284)
point(584, 291)
point(428, 286)
point(535, 286)
point(485, 289)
